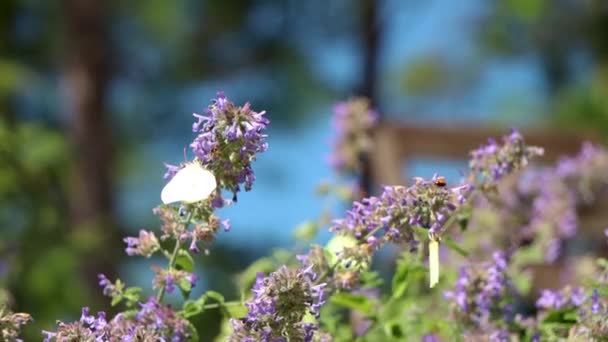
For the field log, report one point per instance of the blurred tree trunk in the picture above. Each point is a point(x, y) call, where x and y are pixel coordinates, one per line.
point(370, 37)
point(86, 75)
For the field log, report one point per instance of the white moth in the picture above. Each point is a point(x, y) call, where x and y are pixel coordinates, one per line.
point(433, 262)
point(191, 184)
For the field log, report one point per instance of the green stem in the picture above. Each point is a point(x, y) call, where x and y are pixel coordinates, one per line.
point(172, 260)
point(219, 305)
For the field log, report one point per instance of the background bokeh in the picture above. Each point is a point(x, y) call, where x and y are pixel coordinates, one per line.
point(96, 95)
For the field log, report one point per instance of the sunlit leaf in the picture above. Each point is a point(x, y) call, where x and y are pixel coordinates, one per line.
point(353, 301)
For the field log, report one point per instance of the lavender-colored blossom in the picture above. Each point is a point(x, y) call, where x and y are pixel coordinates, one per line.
point(500, 336)
point(591, 323)
point(494, 161)
point(229, 138)
point(563, 299)
point(171, 171)
point(482, 293)
point(551, 300)
point(279, 303)
point(353, 121)
point(108, 288)
point(201, 234)
point(595, 301)
point(392, 216)
point(169, 278)
point(146, 244)
point(540, 206)
point(153, 322)
point(586, 172)
point(11, 324)
point(430, 338)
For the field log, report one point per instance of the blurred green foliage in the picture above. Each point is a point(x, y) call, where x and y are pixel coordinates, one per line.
point(42, 256)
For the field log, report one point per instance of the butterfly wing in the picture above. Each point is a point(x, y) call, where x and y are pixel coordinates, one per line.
point(191, 184)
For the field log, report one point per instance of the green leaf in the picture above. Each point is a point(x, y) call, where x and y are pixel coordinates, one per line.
point(448, 241)
point(371, 279)
point(194, 332)
point(353, 301)
point(192, 308)
point(130, 313)
point(306, 231)
point(568, 316)
point(393, 330)
point(185, 287)
point(116, 299)
point(236, 311)
point(215, 295)
point(132, 295)
point(463, 219)
point(406, 271)
point(184, 261)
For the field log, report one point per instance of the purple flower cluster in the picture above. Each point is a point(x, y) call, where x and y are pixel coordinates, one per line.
point(482, 293)
point(280, 302)
point(202, 233)
point(108, 288)
point(353, 122)
point(229, 137)
point(169, 278)
point(152, 322)
point(585, 173)
point(564, 299)
point(392, 216)
point(540, 206)
point(146, 244)
point(591, 323)
point(491, 162)
point(11, 323)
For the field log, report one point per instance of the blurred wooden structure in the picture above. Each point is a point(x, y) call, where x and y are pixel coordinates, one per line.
point(397, 143)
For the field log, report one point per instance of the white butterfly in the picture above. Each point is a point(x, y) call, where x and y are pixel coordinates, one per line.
point(191, 184)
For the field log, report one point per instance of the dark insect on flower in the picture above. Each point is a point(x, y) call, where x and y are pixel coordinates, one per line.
point(183, 211)
point(440, 181)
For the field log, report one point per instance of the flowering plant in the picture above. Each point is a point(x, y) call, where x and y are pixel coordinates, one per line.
point(481, 231)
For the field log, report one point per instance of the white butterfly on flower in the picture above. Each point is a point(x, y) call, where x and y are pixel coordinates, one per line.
point(190, 184)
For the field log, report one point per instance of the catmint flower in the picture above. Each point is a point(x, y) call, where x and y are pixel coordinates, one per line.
point(278, 306)
point(482, 293)
point(392, 216)
point(500, 336)
point(108, 288)
point(591, 323)
point(172, 277)
point(493, 161)
point(540, 206)
point(586, 172)
point(353, 121)
point(566, 298)
point(11, 324)
point(88, 328)
point(152, 322)
point(146, 244)
point(202, 232)
point(430, 338)
point(551, 300)
point(171, 171)
point(229, 138)
point(172, 226)
point(595, 301)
